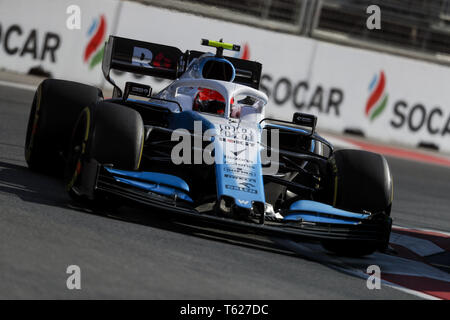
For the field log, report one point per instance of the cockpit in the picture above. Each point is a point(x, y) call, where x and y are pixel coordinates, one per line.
point(195, 91)
point(211, 101)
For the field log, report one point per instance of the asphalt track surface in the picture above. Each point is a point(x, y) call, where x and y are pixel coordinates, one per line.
point(144, 254)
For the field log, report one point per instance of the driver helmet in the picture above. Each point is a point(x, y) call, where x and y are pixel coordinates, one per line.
point(210, 101)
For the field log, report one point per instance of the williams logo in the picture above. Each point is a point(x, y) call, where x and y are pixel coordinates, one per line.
point(378, 97)
point(93, 53)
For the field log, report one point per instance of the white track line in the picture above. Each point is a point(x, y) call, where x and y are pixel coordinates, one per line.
point(419, 246)
point(365, 276)
point(422, 229)
point(29, 87)
point(394, 265)
point(340, 143)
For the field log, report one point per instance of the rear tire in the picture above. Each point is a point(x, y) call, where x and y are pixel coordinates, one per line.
point(54, 111)
point(361, 181)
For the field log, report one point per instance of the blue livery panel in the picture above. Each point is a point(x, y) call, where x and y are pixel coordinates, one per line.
point(238, 164)
point(160, 183)
point(313, 211)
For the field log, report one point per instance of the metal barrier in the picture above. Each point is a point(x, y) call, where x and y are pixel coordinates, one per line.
point(414, 28)
point(281, 15)
point(417, 28)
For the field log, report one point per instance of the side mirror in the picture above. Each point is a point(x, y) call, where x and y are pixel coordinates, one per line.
point(117, 93)
point(305, 119)
point(137, 89)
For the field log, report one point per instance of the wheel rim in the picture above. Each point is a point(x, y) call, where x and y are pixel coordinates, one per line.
point(77, 149)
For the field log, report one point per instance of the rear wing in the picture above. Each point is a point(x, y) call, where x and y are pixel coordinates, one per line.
point(140, 57)
point(163, 61)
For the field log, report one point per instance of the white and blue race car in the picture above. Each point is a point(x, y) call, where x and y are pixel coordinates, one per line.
point(203, 148)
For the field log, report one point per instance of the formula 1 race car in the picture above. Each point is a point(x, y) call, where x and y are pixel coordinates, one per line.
point(202, 148)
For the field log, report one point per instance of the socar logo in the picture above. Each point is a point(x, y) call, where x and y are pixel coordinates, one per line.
point(93, 53)
point(378, 97)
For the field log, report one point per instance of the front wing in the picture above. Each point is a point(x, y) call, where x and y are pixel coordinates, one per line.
point(174, 198)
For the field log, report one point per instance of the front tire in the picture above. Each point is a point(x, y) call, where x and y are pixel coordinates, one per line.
point(361, 182)
point(109, 134)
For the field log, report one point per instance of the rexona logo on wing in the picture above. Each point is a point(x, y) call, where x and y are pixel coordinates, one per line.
point(93, 53)
point(378, 97)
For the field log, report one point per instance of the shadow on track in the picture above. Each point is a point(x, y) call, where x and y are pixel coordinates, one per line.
point(38, 188)
point(30, 186)
point(201, 229)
